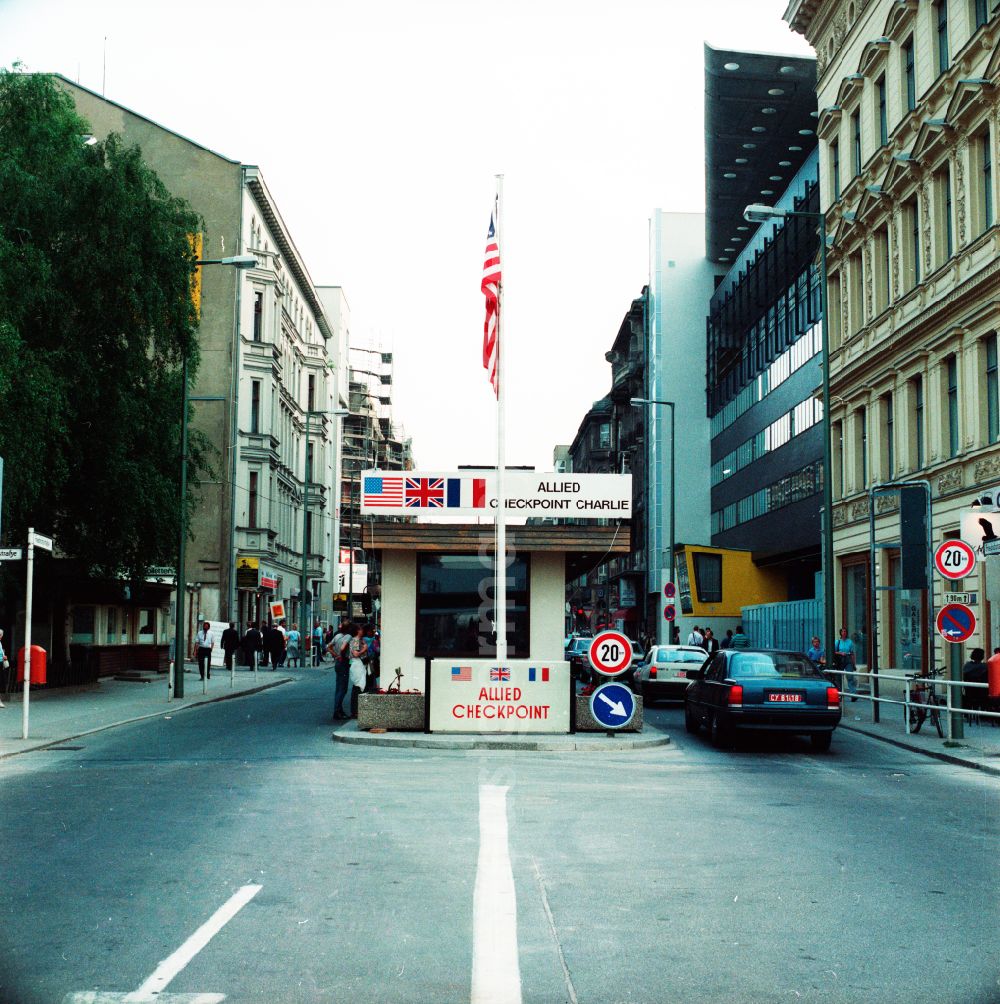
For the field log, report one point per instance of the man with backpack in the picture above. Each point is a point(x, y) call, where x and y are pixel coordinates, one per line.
point(339, 651)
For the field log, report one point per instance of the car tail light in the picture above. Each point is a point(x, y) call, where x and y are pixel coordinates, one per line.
point(832, 698)
point(652, 671)
point(735, 696)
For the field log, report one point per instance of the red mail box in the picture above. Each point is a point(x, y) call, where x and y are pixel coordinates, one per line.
point(38, 664)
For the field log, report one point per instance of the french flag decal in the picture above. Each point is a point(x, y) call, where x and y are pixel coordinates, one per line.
point(534, 675)
point(466, 493)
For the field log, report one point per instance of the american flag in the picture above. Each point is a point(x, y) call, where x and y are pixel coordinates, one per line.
point(461, 674)
point(425, 493)
point(382, 491)
point(500, 675)
point(491, 290)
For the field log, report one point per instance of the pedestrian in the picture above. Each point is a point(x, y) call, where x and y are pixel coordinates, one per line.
point(5, 662)
point(675, 636)
point(696, 638)
point(283, 647)
point(374, 643)
point(230, 642)
point(740, 640)
point(815, 653)
point(975, 671)
point(844, 659)
point(205, 642)
point(252, 644)
point(317, 640)
point(292, 650)
point(274, 646)
point(338, 651)
point(711, 643)
point(357, 674)
point(727, 642)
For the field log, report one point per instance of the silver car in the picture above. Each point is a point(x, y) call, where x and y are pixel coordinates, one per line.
point(662, 675)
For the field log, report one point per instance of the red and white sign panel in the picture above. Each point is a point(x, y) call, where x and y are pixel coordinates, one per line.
point(610, 653)
point(956, 623)
point(954, 559)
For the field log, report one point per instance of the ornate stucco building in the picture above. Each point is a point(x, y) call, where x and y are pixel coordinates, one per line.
point(907, 121)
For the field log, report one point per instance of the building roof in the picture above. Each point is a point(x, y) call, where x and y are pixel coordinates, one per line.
point(760, 125)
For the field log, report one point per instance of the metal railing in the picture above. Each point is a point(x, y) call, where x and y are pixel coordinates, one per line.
point(909, 680)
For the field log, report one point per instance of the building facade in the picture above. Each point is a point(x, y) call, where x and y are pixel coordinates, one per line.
point(908, 121)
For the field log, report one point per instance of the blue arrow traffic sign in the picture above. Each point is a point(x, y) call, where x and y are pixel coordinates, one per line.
point(612, 705)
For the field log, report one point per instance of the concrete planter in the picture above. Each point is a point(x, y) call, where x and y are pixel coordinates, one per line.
point(585, 721)
point(394, 712)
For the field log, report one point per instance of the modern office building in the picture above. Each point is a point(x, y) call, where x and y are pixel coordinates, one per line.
point(764, 338)
point(269, 357)
point(909, 118)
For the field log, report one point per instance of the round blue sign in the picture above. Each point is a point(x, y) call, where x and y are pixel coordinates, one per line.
point(612, 705)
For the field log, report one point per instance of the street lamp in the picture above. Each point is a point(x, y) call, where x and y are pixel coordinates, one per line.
point(758, 213)
point(638, 402)
point(306, 620)
point(243, 261)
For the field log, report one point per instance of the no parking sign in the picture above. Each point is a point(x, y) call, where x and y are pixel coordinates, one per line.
point(956, 623)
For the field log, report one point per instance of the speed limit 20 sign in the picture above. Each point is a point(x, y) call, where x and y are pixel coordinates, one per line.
point(610, 653)
point(954, 559)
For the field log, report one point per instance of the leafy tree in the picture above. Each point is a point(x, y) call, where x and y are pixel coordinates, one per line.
point(95, 319)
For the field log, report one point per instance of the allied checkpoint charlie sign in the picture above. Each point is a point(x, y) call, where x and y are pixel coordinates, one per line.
point(470, 493)
point(480, 695)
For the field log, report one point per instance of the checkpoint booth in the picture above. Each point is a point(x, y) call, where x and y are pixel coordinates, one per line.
point(437, 617)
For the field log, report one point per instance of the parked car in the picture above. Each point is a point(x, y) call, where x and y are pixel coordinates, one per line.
point(757, 690)
point(576, 656)
point(664, 675)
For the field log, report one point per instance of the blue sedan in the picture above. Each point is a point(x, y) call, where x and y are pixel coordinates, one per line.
point(746, 690)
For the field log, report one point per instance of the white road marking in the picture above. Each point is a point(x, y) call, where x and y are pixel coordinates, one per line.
point(152, 989)
point(496, 973)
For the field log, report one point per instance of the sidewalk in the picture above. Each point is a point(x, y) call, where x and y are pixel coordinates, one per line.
point(64, 713)
point(979, 748)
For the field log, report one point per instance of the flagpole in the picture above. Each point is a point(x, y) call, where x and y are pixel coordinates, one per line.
point(501, 514)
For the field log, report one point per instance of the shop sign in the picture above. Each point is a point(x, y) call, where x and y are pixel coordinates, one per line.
point(247, 572)
point(480, 695)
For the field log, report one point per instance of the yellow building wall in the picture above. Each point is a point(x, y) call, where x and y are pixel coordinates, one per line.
point(743, 583)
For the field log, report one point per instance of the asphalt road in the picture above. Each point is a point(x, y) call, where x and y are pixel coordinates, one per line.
point(683, 873)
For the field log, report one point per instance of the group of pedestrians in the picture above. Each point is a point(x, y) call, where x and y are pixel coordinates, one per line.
point(705, 638)
point(273, 645)
point(355, 650)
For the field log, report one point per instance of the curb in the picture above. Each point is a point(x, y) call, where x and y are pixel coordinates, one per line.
point(142, 718)
point(958, 761)
point(550, 745)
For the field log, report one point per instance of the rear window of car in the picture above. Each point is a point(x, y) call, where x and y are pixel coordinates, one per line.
point(781, 664)
point(679, 655)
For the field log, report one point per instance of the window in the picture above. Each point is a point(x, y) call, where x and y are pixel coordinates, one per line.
point(918, 423)
point(82, 626)
point(906, 622)
point(708, 577)
point(942, 35)
point(836, 314)
point(883, 119)
point(952, 376)
point(309, 533)
point(258, 315)
point(311, 394)
point(856, 607)
point(982, 181)
point(452, 617)
point(943, 234)
point(310, 453)
point(255, 406)
point(861, 447)
point(992, 389)
point(856, 141)
point(146, 634)
point(252, 506)
point(604, 436)
point(890, 437)
point(980, 13)
point(835, 167)
point(837, 434)
point(911, 248)
point(880, 262)
point(111, 636)
point(855, 292)
point(909, 75)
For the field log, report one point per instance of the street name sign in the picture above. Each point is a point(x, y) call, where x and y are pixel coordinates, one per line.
point(610, 653)
point(612, 705)
point(446, 494)
point(955, 559)
point(482, 695)
point(11, 553)
point(39, 540)
point(991, 547)
point(956, 623)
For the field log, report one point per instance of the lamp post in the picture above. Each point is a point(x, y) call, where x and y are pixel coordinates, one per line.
point(306, 619)
point(761, 214)
point(242, 261)
point(638, 402)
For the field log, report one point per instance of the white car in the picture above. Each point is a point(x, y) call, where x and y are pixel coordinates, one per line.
point(663, 676)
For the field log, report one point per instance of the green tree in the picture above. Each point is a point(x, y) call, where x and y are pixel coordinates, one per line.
point(95, 318)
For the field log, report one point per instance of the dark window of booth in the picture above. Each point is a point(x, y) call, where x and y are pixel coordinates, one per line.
point(454, 618)
point(708, 577)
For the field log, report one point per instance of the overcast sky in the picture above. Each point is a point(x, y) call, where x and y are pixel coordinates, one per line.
point(379, 126)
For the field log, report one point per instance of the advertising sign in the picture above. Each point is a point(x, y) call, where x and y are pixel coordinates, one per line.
point(482, 695)
point(446, 494)
point(247, 573)
point(980, 530)
point(359, 578)
point(278, 611)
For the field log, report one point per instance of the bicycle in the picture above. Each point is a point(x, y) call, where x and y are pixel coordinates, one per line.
point(925, 701)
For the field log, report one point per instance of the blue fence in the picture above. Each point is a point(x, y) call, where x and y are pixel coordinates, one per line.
point(783, 625)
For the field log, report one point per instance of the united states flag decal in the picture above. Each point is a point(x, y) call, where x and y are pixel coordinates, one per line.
point(461, 674)
point(382, 491)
